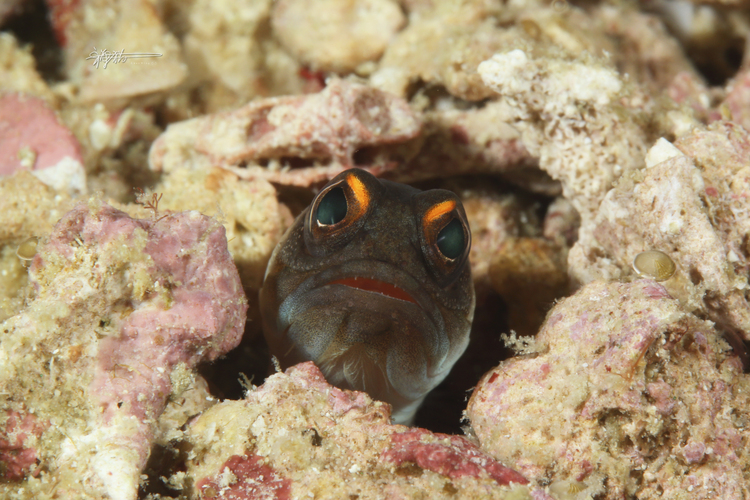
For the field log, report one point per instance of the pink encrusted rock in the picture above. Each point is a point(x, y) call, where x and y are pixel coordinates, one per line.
point(245, 478)
point(203, 318)
point(327, 128)
point(122, 311)
point(18, 442)
point(737, 101)
point(691, 202)
point(31, 136)
point(297, 435)
point(451, 456)
point(688, 88)
point(625, 395)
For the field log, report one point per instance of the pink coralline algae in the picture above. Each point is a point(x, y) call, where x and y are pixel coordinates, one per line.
point(644, 397)
point(328, 127)
point(451, 456)
point(201, 320)
point(252, 479)
point(16, 455)
point(123, 309)
point(27, 122)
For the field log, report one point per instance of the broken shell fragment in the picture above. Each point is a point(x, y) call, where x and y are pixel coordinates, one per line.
point(27, 249)
point(654, 264)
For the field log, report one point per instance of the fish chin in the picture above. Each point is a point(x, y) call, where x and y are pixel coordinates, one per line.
point(356, 369)
point(361, 338)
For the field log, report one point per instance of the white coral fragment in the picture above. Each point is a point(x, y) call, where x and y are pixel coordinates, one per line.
point(663, 150)
point(514, 73)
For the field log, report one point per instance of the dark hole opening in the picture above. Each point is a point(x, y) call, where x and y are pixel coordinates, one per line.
point(695, 276)
point(31, 26)
point(718, 64)
point(164, 461)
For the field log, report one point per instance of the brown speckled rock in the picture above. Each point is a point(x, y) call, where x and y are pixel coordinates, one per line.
point(440, 51)
point(529, 274)
point(585, 135)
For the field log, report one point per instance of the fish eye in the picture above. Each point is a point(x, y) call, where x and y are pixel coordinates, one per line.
point(451, 240)
point(445, 237)
point(339, 211)
point(332, 207)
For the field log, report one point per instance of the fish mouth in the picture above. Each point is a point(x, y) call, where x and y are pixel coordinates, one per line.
point(375, 286)
point(378, 296)
point(382, 281)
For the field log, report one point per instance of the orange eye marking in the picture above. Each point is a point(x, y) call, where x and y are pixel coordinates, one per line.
point(438, 210)
point(359, 189)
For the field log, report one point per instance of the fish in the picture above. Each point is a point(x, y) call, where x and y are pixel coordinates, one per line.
point(372, 283)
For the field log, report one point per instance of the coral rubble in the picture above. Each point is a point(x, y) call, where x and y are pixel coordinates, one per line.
point(329, 126)
point(690, 202)
point(86, 38)
point(152, 154)
point(645, 398)
point(348, 34)
point(296, 435)
point(119, 312)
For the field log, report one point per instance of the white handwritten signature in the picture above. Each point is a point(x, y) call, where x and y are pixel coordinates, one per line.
point(118, 56)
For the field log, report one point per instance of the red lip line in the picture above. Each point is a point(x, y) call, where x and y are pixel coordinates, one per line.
point(378, 286)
